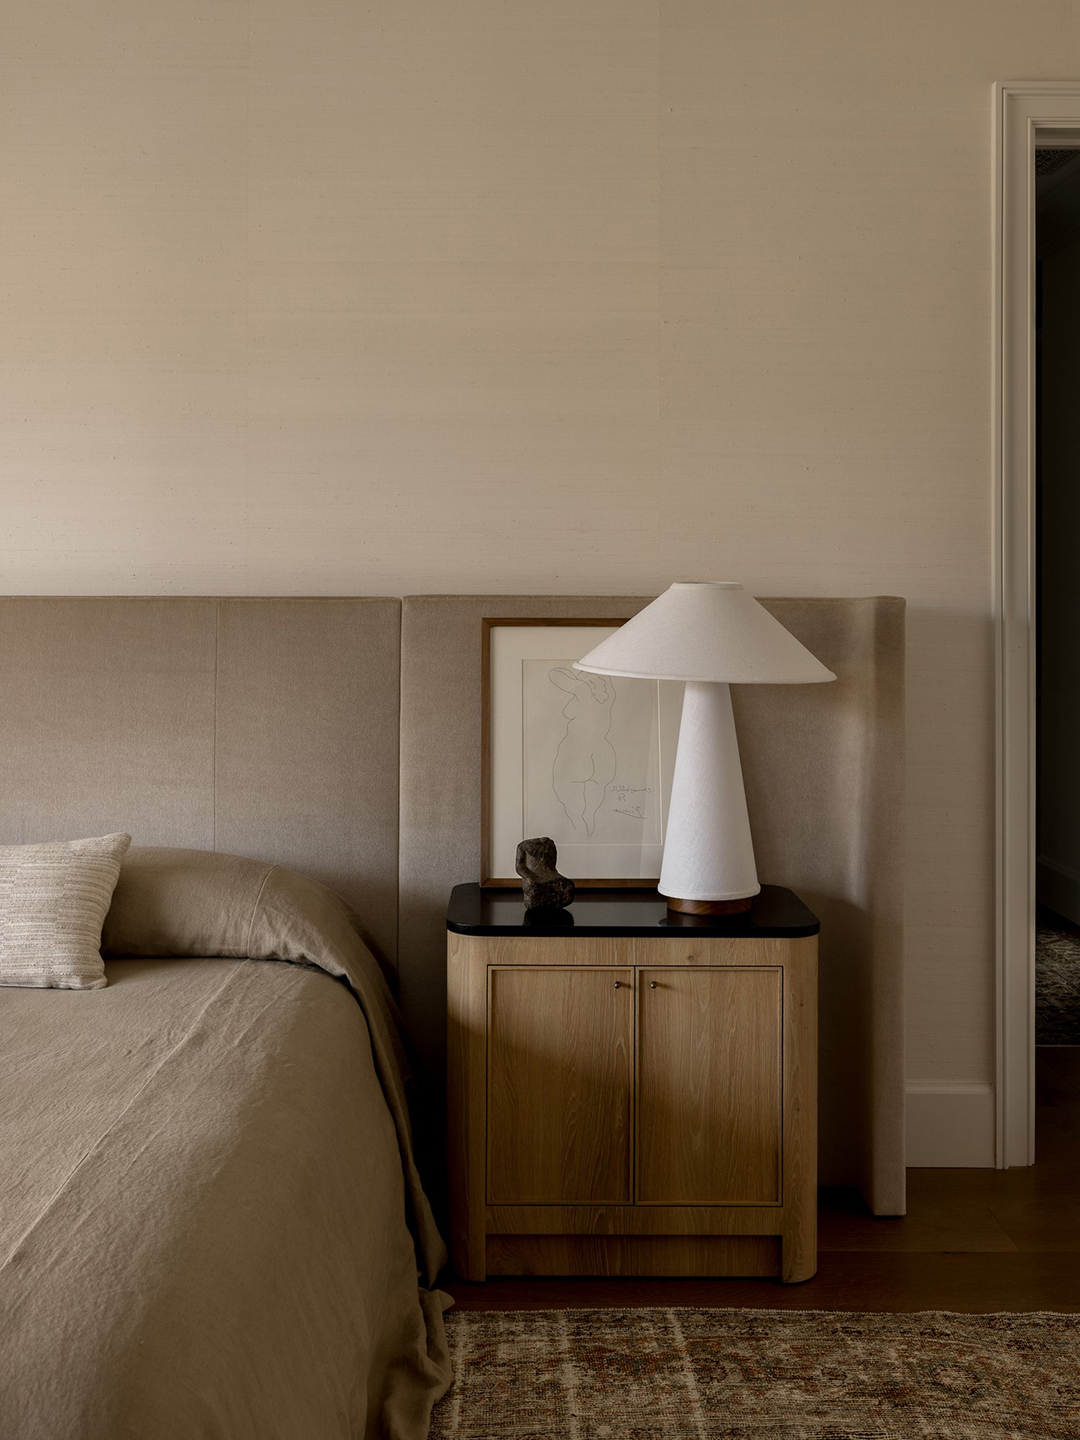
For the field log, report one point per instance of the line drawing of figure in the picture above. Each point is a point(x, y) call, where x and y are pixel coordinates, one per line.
point(585, 761)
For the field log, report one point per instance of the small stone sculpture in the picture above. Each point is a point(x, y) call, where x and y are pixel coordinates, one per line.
point(542, 885)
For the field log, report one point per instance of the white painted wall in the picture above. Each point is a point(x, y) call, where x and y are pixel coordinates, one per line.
point(585, 295)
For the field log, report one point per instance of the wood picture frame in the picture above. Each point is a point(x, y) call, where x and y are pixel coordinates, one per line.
point(500, 801)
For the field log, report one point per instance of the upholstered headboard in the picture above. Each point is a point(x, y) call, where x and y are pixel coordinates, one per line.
point(266, 728)
point(823, 766)
point(270, 728)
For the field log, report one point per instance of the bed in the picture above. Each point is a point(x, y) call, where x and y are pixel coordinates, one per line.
point(212, 1223)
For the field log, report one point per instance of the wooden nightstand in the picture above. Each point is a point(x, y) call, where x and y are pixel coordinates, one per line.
point(632, 1092)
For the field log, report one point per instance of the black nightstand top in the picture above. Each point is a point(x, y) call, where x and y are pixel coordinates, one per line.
point(774, 912)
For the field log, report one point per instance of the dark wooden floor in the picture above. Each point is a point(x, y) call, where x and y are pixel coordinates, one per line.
point(974, 1240)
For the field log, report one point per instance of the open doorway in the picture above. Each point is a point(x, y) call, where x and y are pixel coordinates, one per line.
point(1057, 630)
point(1028, 116)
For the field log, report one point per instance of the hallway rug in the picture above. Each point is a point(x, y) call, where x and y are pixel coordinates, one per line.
point(745, 1374)
point(1057, 981)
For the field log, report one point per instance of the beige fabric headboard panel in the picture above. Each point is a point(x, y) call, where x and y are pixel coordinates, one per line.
point(824, 777)
point(266, 728)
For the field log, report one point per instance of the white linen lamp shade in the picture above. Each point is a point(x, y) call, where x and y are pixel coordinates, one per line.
point(711, 635)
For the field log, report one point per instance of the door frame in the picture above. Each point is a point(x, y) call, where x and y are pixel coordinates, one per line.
point(1026, 113)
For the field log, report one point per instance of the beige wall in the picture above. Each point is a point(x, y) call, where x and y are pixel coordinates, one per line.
point(379, 296)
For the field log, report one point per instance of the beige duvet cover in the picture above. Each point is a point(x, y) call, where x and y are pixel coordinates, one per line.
point(211, 1225)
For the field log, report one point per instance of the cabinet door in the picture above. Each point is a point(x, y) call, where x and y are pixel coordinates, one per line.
point(560, 1078)
point(709, 1105)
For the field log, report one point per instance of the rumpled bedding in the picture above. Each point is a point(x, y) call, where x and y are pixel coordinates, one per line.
point(211, 1221)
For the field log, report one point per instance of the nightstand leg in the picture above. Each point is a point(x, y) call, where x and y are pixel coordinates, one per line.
point(469, 1257)
point(798, 1251)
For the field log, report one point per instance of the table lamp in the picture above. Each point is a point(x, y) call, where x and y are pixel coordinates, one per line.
point(713, 635)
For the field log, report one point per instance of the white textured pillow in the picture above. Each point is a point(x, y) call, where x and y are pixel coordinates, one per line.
point(53, 899)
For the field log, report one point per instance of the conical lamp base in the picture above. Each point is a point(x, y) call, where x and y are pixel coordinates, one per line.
point(708, 852)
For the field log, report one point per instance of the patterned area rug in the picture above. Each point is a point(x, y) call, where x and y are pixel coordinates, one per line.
point(1057, 981)
point(799, 1375)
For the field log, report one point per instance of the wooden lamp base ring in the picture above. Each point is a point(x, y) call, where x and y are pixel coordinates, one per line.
point(708, 907)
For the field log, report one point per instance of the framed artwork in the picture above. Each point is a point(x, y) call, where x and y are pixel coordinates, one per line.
point(584, 759)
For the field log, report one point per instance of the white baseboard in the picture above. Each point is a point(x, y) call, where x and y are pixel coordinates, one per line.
point(950, 1125)
point(1058, 887)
